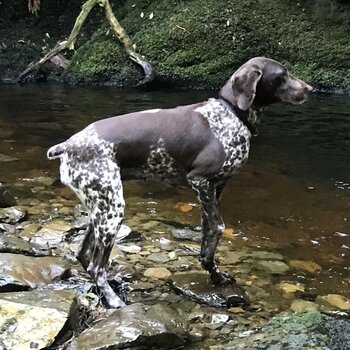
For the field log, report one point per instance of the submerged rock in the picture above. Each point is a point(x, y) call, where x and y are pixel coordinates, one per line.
point(19, 272)
point(187, 234)
point(198, 287)
point(33, 320)
point(136, 326)
point(7, 199)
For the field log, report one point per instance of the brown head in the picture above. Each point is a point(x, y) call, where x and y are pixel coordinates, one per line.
point(262, 81)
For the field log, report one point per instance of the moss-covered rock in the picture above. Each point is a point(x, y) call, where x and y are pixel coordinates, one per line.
point(301, 330)
point(200, 42)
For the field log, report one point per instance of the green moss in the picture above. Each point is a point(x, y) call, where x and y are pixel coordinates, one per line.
point(201, 42)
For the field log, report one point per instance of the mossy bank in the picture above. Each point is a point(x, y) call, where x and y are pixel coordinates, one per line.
point(198, 43)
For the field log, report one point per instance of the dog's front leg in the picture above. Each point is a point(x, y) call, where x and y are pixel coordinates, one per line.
point(213, 226)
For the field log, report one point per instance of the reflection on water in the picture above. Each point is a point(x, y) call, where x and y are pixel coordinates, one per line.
point(293, 194)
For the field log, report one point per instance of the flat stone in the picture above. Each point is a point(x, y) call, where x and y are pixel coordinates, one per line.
point(288, 287)
point(10, 243)
point(51, 234)
point(273, 267)
point(308, 266)
point(303, 305)
point(12, 215)
point(135, 326)
point(162, 257)
point(20, 272)
point(187, 234)
point(337, 300)
point(29, 230)
point(7, 229)
point(157, 273)
point(32, 320)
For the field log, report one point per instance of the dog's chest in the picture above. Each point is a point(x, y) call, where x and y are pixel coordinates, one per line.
point(230, 131)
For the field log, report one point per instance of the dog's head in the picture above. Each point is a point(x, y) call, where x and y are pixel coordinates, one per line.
point(262, 81)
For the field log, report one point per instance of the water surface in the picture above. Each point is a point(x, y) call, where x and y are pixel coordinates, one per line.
point(292, 196)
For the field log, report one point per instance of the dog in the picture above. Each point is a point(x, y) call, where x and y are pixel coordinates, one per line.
point(205, 143)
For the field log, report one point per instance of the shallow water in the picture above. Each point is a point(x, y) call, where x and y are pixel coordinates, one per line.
point(293, 196)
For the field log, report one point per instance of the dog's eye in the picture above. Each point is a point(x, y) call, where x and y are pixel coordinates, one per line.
point(279, 80)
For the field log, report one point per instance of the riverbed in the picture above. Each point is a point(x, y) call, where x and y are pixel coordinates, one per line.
point(291, 200)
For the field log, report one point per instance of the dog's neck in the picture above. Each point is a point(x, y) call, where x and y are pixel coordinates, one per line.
point(250, 118)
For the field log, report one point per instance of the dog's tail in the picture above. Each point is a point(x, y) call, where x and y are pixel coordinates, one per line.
point(57, 150)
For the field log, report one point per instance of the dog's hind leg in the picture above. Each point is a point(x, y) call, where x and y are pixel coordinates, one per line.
point(98, 185)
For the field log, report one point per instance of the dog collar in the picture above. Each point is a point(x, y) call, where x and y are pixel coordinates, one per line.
point(244, 116)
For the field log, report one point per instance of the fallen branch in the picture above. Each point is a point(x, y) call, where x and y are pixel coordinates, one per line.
point(69, 43)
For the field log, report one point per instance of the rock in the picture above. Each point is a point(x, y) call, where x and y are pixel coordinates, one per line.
point(336, 300)
point(303, 305)
point(5, 158)
point(19, 272)
point(187, 234)
point(7, 229)
point(157, 273)
point(198, 287)
point(160, 257)
point(7, 199)
point(12, 215)
point(308, 266)
point(135, 326)
point(217, 320)
point(130, 248)
point(274, 267)
point(288, 287)
point(233, 257)
point(29, 230)
point(51, 234)
point(32, 320)
point(16, 245)
point(300, 330)
point(185, 207)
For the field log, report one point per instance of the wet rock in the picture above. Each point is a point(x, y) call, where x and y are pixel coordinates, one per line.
point(289, 288)
point(12, 215)
point(5, 158)
point(7, 229)
point(39, 177)
point(33, 320)
point(336, 300)
point(7, 199)
point(301, 330)
point(136, 326)
point(187, 234)
point(29, 230)
point(157, 273)
point(308, 266)
point(273, 267)
point(19, 272)
point(303, 305)
point(198, 287)
point(161, 258)
point(16, 245)
point(51, 234)
point(217, 321)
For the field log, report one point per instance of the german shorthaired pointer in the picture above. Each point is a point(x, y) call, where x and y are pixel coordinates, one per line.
point(206, 142)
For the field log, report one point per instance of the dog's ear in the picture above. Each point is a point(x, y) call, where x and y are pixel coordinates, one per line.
point(241, 88)
point(244, 82)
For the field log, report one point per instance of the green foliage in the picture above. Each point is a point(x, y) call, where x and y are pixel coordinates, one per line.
point(201, 42)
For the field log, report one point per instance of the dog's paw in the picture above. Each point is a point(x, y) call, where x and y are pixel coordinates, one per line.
point(222, 278)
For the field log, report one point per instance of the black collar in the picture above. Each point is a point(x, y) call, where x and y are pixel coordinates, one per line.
point(242, 115)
